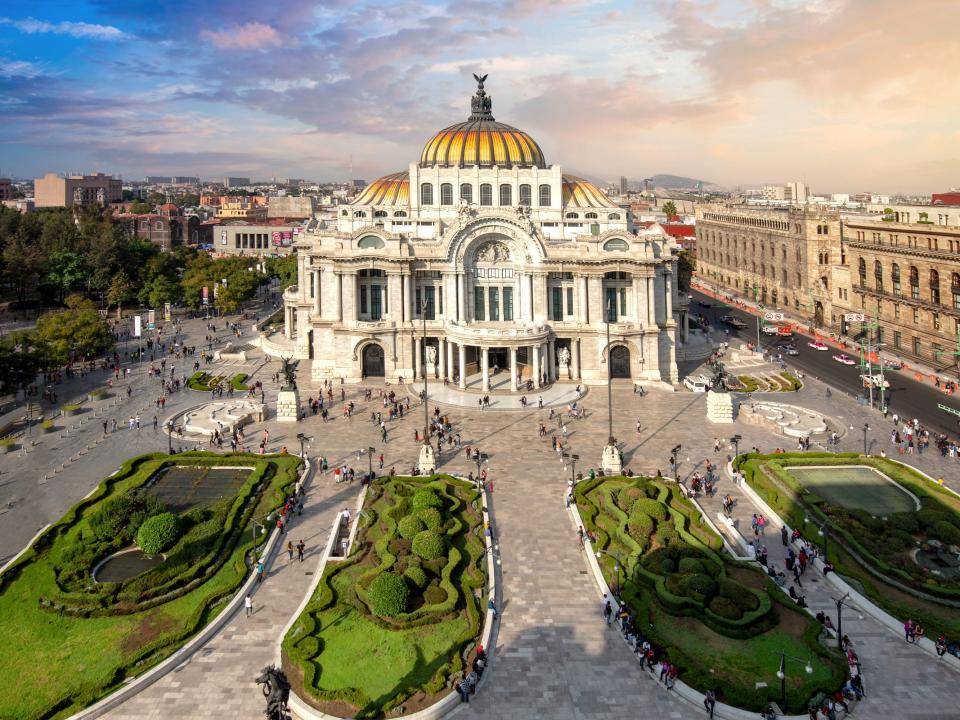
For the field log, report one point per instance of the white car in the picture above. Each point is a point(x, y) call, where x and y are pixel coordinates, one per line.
point(844, 359)
point(817, 345)
point(769, 330)
point(874, 380)
point(788, 350)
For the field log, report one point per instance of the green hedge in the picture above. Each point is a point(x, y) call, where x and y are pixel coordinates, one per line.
point(159, 532)
point(388, 594)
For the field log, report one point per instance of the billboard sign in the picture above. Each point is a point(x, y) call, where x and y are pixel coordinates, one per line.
point(136, 326)
point(151, 319)
point(206, 295)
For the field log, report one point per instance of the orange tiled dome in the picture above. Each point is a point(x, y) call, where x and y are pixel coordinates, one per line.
point(389, 190)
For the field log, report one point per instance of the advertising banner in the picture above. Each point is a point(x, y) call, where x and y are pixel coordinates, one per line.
point(206, 295)
point(151, 320)
point(277, 237)
point(136, 325)
point(167, 312)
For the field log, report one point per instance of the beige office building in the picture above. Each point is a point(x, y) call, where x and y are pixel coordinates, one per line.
point(52, 190)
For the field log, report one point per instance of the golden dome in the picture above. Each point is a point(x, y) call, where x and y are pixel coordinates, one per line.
point(481, 140)
point(389, 190)
point(581, 193)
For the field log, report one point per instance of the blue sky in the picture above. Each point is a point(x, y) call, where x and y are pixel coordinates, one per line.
point(845, 94)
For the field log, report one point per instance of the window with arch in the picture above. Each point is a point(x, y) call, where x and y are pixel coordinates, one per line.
point(955, 290)
point(784, 279)
point(590, 216)
point(895, 277)
point(613, 216)
point(914, 283)
point(446, 194)
point(370, 242)
point(878, 274)
point(862, 267)
point(934, 287)
point(379, 213)
point(466, 192)
point(359, 214)
point(616, 245)
point(426, 194)
point(486, 194)
point(506, 195)
point(544, 195)
point(571, 216)
point(783, 252)
point(400, 213)
point(526, 195)
point(344, 213)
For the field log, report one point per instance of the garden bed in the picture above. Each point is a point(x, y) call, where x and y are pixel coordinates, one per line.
point(721, 622)
point(876, 550)
point(88, 637)
point(389, 627)
point(205, 382)
point(769, 382)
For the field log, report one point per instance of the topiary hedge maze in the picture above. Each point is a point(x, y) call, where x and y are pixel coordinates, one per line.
point(720, 621)
point(49, 600)
point(875, 551)
point(389, 626)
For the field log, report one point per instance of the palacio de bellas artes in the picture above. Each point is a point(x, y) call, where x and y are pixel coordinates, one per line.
point(484, 265)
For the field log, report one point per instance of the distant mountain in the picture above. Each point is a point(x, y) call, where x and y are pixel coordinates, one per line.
point(668, 182)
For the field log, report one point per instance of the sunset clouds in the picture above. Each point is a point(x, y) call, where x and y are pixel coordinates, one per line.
point(846, 94)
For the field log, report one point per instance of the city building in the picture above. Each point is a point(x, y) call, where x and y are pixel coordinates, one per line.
point(934, 214)
point(623, 185)
point(946, 198)
point(793, 192)
point(255, 237)
point(6, 189)
point(781, 257)
point(906, 277)
point(482, 257)
point(23, 205)
point(291, 207)
point(52, 190)
point(232, 182)
point(167, 228)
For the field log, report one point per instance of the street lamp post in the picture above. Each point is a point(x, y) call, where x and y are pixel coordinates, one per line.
point(370, 451)
point(616, 568)
point(841, 603)
point(479, 458)
point(263, 531)
point(572, 457)
point(736, 447)
point(610, 440)
point(782, 675)
point(866, 429)
point(303, 439)
point(428, 462)
point(823, 531)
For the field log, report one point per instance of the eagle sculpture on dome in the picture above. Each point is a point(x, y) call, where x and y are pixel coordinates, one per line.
point(479, 80)
point(481, 106)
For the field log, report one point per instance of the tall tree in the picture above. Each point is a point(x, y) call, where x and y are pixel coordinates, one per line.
point(669, 209)
point(72, 334)
point(119, 290)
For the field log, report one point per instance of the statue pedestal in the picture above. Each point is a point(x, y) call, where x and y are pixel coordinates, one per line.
point(431, 370)
point(288, 406)
point(563, 371)
point(610, 460)
point(428, 460)
point(720, 407)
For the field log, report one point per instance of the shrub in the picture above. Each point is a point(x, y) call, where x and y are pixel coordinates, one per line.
point(121, 516)
point(650, 507)
point(426, 499)
point(416, 575)
point(905, 521)
point(891, 543)
point(428, 545)
point(666, 535)
point(431, 517)
point(158, 532)
point(409, 526)
point(699, 586)
point(388, 594)
point(726, 608)
point(640, 525)
point(874, 524)
point(947, 532)
point(691, 565)
point(627, 496)
point(929, 518)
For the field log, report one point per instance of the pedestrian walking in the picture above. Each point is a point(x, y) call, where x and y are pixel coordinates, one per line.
point(156, 423)
point(289, 549)
point(607, 612)
point(260, 571)
point(710, 702)
point(638, 426)
point(248, 605)
point(104, 427)
point(301, 546)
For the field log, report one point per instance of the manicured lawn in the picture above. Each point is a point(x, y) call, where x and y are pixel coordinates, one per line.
point(69, 641)
point(722, 623)
point(855, 487)
point(349, 656)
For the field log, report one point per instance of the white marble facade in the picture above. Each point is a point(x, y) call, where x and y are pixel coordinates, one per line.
point(497, 260)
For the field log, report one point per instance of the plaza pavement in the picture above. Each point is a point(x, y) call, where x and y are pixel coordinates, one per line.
point(553, 657)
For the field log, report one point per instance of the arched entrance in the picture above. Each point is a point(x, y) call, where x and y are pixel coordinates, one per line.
point(373, 365)
point(619, 362)
point(818, 314)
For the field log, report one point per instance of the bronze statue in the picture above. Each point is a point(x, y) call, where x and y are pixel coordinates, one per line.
point(276, 689)
point(289, 370)
point(719, 381)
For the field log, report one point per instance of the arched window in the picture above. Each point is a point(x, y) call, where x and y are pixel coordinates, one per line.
point(486, 194)
point(426, 194)
point(379, 213)
point(934, 287)
point(914, 283)
point(895, 276)
point(590, 216)
point(370, 242)
point(878, 274)
point(863, 272)
point(526, 195)
point(446, 194)
point(400, 213)
point(616, 245)
point(344, 213)
point(544, 195)
point(506, 195)
point(571, 216)
point(613, 216)
point(955, 290)
point(466, 192)
point(359, 214)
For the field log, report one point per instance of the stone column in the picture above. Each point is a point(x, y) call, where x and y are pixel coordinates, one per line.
point(413, 297)
point(316, 292)
point(539, 281)
point(339, 277)
point(288, 322)
point(485, 368)
point(416, 357)
point(668, 294)
point(513, 369)
point(405, 299)
point(583, 312)
point(575, 358)
point(536, 366)
point(463, 366)
point(551, 361)
point(442, 358)
point(595, 295)
point(461, 304)
point(450, 365)
point(529, 314)
point(639, 310)
point(651, 301)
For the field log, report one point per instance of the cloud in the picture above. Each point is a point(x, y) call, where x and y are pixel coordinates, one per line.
point(18, 68)
point(82, 30)
point(249, 36)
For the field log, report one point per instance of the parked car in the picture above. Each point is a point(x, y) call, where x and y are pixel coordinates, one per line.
point(874, 380)
point(697, 385)
point(735, 322)
point(818, 345)
point(892, 364)
point(769, 329)
point(788, 350)
point(844, 359)
point(784, 331)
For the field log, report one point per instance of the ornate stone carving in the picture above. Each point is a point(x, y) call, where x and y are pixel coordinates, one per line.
point(431, 355)
point(492, 251)
point(563, 355)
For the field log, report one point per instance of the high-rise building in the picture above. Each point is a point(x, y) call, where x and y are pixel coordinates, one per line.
point(232, 182)
point(623, 184)
point(6, 189)
point(795, 192)
point(53, 190)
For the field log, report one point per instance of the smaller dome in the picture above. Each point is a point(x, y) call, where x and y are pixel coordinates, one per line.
point(389, 190)
point(580, 193)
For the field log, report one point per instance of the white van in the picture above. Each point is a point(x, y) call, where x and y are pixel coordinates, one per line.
point(697, 385)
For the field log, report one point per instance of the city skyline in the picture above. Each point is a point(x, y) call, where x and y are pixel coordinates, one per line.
point(842, 95)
